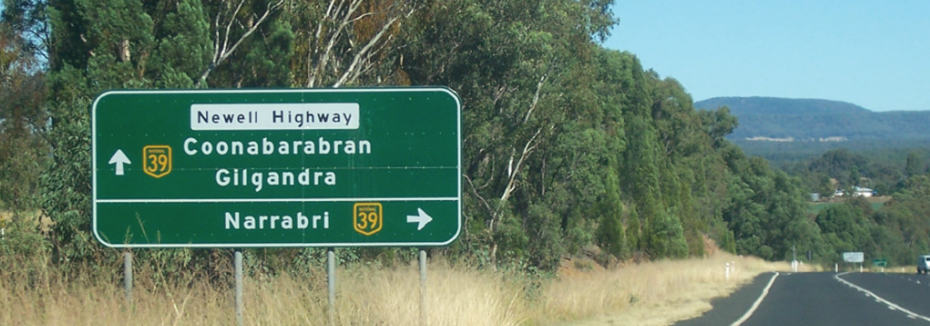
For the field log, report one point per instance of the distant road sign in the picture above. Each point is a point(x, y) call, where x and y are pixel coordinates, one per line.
point(853, 257)
point(277, 168)
point(880, 262)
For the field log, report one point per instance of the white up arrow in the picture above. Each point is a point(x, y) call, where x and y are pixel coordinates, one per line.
point(119, 159)
point(421, 218)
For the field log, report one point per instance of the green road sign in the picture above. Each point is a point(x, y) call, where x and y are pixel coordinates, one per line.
point(277, 168)
point(880, 262)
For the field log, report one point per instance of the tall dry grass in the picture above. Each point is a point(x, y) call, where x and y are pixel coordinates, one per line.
point(655, 293)
point(365, 296)
point(456, 295)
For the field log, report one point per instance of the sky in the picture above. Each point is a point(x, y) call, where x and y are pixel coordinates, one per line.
point(875, 54)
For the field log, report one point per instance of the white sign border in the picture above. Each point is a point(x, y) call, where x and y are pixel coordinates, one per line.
point(94, 200)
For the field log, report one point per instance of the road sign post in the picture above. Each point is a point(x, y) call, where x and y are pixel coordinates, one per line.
point(277, 168)
point(127, 276)
point(237, 267)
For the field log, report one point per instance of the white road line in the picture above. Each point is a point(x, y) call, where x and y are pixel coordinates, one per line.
point(757, 303)
point(891, 306)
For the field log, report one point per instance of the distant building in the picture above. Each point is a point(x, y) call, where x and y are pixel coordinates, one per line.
point(863, 192)
point(857, 192)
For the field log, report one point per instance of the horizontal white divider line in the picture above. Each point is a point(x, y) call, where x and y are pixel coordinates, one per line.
point(301, 168)
point(285, 245)
point(273, 200)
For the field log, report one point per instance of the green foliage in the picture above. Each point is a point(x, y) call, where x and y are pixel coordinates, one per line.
point(66, 185)
point(23, 118)
point(100, 45)
point(914, 165)
point(610, 233)
point(22, 239)
point(183, 45)
point(718, 124)
point(854, 176)
point(825, 186)
point(561, 137)
point(767, 214)
point(844, 228)
point(885, 138)
point(545, 239)
point(883, 171)
point(633, 231)
point(664, 237)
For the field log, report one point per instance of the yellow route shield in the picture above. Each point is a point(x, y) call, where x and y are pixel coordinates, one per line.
point(156, 160)
point(367, 218)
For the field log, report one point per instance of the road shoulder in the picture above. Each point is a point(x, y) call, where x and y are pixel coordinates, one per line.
point(700, 301)
point(726, 310)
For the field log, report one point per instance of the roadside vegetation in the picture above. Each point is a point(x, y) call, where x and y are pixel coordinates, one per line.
point(651, 293)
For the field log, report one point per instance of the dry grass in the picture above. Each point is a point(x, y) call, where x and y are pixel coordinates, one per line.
point(656, 293)
point(456, 296)
point(649, 293)
point(365, 296)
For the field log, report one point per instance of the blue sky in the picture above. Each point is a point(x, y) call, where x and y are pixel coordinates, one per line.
point(875, 54)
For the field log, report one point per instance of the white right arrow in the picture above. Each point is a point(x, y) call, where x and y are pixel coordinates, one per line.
point(421, 218)
point(119, 158)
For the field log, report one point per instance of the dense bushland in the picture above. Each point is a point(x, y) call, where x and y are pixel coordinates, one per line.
point(569, 148)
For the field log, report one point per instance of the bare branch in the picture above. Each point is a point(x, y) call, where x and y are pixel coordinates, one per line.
point(528, 149)
point(337, 55)
point(221, 53)
point(323, 59)
point(539, 85)
point(216, 35)
point(232, 19)
point(480, 198)
point(364, 51)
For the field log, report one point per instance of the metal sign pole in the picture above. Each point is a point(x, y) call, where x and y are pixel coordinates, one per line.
point(238, 267)
point(423, 316)
point(127, 275)
point(331, 281)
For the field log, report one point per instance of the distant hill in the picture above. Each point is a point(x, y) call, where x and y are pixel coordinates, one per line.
point(811, 120)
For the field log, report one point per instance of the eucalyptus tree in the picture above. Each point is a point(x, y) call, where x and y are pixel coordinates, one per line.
point(23, 118)
point(99, 45)
point(517, 66)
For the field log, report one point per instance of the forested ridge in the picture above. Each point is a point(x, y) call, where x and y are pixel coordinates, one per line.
point(817, 126)
point(810, 120)
point(568, 148)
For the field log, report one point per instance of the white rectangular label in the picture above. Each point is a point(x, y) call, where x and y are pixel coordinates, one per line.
point(290, 116)
point(853, 257)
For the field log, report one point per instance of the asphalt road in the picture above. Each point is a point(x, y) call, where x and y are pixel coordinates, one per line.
point(824, 299)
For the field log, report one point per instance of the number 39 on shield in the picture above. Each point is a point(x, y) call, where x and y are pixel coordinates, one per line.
point(156, 160)
point(367, 218)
